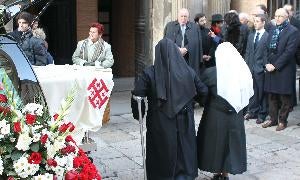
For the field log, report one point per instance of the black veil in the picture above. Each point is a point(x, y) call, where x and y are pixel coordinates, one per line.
point(174, 79)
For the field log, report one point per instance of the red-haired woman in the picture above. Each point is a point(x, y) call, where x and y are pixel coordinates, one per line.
point(94, 51)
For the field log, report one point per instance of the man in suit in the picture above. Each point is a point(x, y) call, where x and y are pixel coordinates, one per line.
point(187, 36)
point(282, 46)
point(256, 57)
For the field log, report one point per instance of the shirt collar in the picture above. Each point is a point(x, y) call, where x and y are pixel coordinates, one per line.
point(260, 31)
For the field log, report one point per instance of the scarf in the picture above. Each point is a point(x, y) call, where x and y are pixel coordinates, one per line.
point(275, 35)
point(216, 30)
point(99, 47)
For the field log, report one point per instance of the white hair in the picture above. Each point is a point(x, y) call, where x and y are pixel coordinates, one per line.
point(243, 15)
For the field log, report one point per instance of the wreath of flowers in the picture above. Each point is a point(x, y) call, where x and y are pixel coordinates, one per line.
point(34, 145)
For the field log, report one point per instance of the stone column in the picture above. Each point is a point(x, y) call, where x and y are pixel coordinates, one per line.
point(194, 6)
point(219, 6)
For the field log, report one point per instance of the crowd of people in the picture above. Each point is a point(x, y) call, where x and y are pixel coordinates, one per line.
point(92, 51)
point(243, 67)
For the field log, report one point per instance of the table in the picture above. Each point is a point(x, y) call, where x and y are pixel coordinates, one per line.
point(94, 89)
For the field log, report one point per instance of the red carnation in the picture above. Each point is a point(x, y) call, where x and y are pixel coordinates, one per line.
point(35, 158)
point(30, 119)
point(77, 161)
point(44, 138)
point(68, 149)
point(70, 139)
point(3, 98)
point(63, 128)
point(55, 116)
point(71, 126)
point(52, 162)
point(4, 110)
point(10, 178)
point(17, 127)
point(71, 175)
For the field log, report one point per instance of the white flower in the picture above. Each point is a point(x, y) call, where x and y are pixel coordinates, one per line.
point(24, 141)
point(1, 166)
point(46, 176)
point(59, 171)
point(59, 143)
point(25, 169)
point(2, 123)
point(33, 108)
point(50, 150)
point(36, 137)
point(5, 129)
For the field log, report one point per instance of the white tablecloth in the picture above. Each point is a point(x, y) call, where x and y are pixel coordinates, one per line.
point(95, 86)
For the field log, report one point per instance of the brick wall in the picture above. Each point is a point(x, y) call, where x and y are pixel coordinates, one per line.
point(87, 12)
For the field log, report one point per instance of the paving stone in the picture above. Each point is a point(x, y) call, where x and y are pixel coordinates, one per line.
point(116, 136)
point(120, 164)
point(277, 174)
point(272, 147)
point(254, 139)
point(131, 175)
point(131, 148)
point(118, 119)
point(107, 153)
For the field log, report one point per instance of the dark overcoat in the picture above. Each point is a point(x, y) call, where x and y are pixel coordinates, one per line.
point(193, 41)
point(170, 142)
point(282, 80)
point(221, 138)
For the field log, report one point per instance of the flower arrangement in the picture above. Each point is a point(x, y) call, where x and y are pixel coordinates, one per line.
point(34, 145)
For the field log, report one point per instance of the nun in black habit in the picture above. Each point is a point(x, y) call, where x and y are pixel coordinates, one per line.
point(221, 137)
point(170, 86)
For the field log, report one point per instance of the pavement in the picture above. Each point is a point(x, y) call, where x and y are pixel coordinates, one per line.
point(271, 155)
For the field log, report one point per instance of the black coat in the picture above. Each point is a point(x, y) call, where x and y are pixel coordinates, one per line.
point(193, 42)
point(282, 80)
point(33, 47)
point(221, 139)
point(208, 46)
point(170, 142)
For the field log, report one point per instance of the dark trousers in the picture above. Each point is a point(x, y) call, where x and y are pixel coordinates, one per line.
point(258, 103)
point(279, 107)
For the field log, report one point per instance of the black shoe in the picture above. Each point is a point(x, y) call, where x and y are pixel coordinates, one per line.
point(249, 116)
point(259, 121)
point(217, 177)
point(225, 178)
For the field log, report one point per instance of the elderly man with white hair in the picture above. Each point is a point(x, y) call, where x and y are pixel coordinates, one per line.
point(187, 36)
point(280, 69)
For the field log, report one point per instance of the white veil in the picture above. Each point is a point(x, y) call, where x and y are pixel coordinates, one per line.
point(234, 79)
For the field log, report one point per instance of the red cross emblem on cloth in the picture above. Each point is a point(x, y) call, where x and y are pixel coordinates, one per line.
point(97, 93)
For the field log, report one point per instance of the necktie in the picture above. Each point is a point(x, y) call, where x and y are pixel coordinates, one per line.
point(256, 40)
point(182, 33)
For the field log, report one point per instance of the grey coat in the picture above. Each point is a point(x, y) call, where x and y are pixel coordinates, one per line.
point(257, 58)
